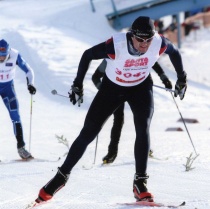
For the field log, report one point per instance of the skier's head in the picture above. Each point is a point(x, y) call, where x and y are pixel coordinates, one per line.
point(4, 50)
point(143, 27)
point(143, 30)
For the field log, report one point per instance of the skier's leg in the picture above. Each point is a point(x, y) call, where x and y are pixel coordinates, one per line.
point(18, 130)
point(115, 134)
point(11, 102)
point(142, 120)
point(77, 149)
point(100, 110)
point(117, 127)
point(103, 105)
point(53, 186)
point(142, 106)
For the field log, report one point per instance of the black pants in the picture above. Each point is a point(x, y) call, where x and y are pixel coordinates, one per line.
point(116, 129)
point(107, 100)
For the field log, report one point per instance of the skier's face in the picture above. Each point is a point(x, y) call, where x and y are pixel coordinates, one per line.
point(141, 44)
point(2, 58)
point(4, 53)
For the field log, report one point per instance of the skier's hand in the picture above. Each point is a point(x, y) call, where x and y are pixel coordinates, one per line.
point(166, 81)
point(180, 87)
point(98, 85)
point(31, 89)
point(76, 95)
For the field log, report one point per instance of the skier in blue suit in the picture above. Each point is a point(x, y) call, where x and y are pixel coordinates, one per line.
point(9, 58)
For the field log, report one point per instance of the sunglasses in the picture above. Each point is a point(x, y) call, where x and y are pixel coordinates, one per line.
point(142, 40)
point(2, 49)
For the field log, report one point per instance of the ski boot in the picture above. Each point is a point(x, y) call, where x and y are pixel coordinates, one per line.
point(140, 188)
point(24, 154)
point(53, 186)
point(110, 157)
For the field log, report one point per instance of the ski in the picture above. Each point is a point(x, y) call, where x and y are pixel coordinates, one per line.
point(152, 204)
point(90, 166)
point(87, 167)
point(28, 160)
point(157, 158)
point(35, 204)
point(103, 164)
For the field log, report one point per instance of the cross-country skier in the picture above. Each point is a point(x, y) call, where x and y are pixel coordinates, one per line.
point(130, 57)
point(119, 112)
point(9, 58)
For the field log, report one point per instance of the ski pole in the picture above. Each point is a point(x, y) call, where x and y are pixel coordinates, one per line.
point(54, 92)
point(184, 124)
point(160, 87)
point(95, 149)
point(30, 123)
point(79, 101)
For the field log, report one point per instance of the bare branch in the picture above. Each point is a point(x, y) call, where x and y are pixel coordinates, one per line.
point(190, 160)
point(64, 141)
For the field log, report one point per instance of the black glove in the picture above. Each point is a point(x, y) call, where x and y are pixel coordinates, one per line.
point(180, 87)
point(98, 85)
point(76, 95)
point(32, 89)
point(166, 81)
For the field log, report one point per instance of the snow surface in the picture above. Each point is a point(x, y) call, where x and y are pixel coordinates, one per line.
point(52, 35)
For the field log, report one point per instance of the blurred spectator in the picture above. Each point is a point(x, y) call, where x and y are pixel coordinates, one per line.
point(159, 25)
point(206, 9)
point(191, 25)
point(198, 19)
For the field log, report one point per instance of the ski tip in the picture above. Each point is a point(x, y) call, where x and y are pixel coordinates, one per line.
point(152, 204)
point(180, 205)
point(184, 203)
point(35, 203)
point(31, 205)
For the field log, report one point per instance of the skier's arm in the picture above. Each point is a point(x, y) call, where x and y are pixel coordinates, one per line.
point(76, 91)
point(159, 70)
point(26, 68)
point(29, 73)
point(100, 51)
point(174, 56)
point(94, 53)
point(99, 73)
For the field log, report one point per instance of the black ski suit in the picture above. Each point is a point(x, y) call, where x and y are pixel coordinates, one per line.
point(118, 114)
point(111, 96)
